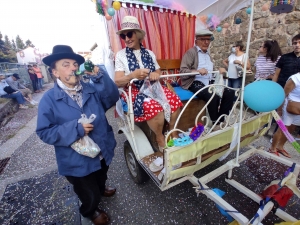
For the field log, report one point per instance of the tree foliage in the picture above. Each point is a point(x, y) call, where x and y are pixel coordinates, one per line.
point(29, 44)
point(7, 53)
point(9, 48)
point(20, 43)
point(7, 42)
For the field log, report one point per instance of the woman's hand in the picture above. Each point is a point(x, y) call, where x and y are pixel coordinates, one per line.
point(154, 76)
point(141, 74)
point(237, 62)
point(87, 127)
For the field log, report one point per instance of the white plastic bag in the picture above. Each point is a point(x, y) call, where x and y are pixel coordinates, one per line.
point(85, 145)
point(219, 88)
point(155, 91)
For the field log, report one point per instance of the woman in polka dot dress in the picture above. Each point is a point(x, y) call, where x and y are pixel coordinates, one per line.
point(135, 61)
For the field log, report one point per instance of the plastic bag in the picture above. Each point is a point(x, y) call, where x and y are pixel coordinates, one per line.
point(155, 91)
point(85, 145)
point(219, 80)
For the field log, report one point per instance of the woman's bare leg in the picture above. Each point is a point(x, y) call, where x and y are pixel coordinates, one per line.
point(276, 139)
point(156, 125)
point(173, 119)
point(283, 138)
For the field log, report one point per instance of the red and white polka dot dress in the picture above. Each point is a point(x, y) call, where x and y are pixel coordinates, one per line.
point(151, 107)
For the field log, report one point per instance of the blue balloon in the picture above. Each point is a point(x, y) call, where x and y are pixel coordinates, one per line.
point(238, 20)
point(111, 11)
point(248, 10)
point(219, 29)
point(264, 95)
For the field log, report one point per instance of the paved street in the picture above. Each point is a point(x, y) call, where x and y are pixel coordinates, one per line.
point(32, 192)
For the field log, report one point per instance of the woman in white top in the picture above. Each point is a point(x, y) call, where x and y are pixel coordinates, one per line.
point(135, 61)
point(265, 65)
point(292, 93)
point(237, 57)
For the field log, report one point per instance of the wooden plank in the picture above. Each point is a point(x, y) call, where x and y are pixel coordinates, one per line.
point(168, 64)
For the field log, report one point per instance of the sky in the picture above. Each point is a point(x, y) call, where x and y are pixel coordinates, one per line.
point(50, 22)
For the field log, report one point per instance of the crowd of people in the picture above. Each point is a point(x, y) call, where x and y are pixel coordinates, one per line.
point(12, 88)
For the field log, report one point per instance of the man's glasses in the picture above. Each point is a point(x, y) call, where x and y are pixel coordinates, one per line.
point(205, 39)
point(129, 35)
point(262, 46)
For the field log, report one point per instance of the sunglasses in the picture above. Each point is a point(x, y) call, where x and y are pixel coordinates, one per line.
point(129, 35)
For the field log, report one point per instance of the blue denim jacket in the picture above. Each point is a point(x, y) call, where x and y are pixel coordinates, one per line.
point(57, 124)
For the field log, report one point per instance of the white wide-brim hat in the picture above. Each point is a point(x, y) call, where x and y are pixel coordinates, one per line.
point(130, 23)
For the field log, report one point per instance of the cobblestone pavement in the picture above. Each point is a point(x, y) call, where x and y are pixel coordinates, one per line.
point(32, 192)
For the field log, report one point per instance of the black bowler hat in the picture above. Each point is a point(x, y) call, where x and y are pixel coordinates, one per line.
point(16, 76)
point(62, 52)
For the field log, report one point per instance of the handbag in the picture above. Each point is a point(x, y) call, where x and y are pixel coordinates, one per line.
point(240, 69)
point(9, 90)
point(293, 107)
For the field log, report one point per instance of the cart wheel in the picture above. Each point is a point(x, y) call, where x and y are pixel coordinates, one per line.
point(136, 171)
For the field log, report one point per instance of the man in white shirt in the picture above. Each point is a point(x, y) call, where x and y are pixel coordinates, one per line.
point(197, 59)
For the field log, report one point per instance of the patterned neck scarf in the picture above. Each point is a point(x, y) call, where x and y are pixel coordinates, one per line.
point(133, 63)
point(74, 93)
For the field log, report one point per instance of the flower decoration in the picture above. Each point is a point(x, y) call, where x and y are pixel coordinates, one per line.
point(196, 131)
point(210, 21)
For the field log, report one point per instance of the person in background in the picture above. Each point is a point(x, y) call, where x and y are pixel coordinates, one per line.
point(7, 92)
point(50, 72)
point(34, 79)
point(288, 64)
point(135, 61)
point(238, 57)
point(39, 75)
point(197, 59)
point(292, 93)
point(269, 54)
point(13, 82)
point(57, 124)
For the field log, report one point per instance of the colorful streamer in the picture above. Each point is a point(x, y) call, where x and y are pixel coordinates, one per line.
point(290, 138)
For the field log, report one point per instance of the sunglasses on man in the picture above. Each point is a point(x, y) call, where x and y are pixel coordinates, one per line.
point(129, 35)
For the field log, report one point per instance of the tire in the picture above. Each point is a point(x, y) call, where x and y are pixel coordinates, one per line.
point(137, 173)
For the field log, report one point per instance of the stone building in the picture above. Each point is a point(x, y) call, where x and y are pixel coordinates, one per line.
point(266, 25)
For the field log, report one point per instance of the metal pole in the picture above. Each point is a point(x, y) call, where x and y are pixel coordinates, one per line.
point(243, 82)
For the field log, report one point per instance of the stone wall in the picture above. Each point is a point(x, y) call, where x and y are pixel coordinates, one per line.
point(265, 26)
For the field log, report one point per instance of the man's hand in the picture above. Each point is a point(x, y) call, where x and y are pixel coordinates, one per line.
point(203, 71)
point(154, 76)
point(141, 74)
point(87, 127)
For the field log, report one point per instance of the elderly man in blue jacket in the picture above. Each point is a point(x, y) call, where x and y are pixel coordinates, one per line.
point(58, 114)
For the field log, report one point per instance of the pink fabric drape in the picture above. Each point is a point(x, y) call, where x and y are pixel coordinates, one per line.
point(168, 35)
